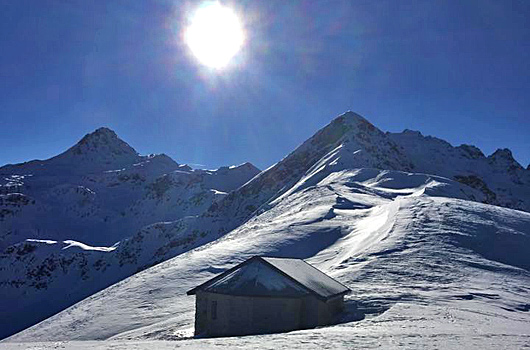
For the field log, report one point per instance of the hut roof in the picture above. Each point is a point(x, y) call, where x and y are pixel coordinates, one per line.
point(273, 277)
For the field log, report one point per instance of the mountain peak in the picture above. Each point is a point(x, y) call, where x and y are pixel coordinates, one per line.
point(104, 131)
point(504, 158)
point(412, 132)
point(247, 166)
point(471, 151)
point(103, 134)
point(502, 153)
point(102, 146)
point(352, 119)
point(346, 126)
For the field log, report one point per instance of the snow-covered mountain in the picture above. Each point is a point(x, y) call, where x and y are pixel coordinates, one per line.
point(381, 212)
point(499, 176)
point(425, 269)
point(65, 211)
point(100, 191)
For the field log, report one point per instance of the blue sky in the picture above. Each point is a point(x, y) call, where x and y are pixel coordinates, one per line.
point(458, 70)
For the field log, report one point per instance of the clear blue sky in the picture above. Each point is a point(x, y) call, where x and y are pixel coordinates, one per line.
point(458, 70)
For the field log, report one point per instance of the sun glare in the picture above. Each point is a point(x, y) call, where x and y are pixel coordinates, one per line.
point(214, 34)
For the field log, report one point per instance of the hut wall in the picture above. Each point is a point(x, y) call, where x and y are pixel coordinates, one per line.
point(201, 312)
point(316, 312)
point(309, 312)
point(327, 311)
point(223, 315)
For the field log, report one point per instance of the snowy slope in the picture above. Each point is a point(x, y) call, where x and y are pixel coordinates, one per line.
point(430, 265)
point(329, 201)
point(61, 218)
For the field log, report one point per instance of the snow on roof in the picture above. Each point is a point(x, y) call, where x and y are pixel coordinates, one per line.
point(309, 276)
point(256, 279)
point(266, 276)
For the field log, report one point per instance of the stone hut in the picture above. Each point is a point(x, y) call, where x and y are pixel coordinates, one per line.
point(266, 295)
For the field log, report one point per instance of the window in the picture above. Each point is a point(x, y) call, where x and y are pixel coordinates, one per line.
point(214, 310)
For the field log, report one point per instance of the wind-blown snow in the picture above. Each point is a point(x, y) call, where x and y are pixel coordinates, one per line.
point(71, 244)
point(429, 265)
point(422, 267)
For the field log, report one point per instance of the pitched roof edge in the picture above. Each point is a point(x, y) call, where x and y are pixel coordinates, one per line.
point(321, 297)
point(216, 278)
point(292, 279)
point(345, 286)
point(260, 258)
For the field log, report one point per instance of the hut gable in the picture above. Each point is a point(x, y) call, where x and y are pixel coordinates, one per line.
point(256, 279)
point(268, 276)
point(314, 280)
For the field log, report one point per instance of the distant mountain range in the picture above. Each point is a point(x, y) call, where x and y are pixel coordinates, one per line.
point(58, 215)
point(81, 221)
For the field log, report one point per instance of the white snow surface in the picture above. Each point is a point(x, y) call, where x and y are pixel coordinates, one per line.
point(72, 244)
point(428, 264)
point(424, 271)
point(91, 198)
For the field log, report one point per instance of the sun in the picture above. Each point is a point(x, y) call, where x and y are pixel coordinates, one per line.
point(214, 35)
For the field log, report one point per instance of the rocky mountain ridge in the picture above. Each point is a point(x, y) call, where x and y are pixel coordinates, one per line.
point(61, 217)
point(498, 176)
point(37, 269)
point(424, 262)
